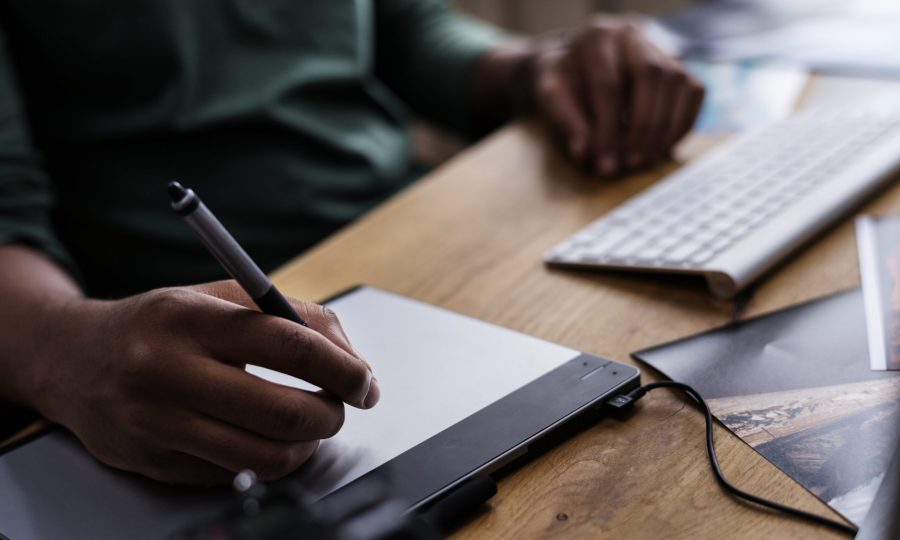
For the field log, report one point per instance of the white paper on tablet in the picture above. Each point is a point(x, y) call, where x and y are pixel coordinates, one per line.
point(434, 368)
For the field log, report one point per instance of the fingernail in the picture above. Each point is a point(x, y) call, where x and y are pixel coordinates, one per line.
point(607, 165)
point(361, 359)
point(635, 159)
point(576, 147)
point(353, 350)
point(373, 395)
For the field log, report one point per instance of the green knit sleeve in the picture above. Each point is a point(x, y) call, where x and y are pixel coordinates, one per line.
point(425, 52)
point(26, 195)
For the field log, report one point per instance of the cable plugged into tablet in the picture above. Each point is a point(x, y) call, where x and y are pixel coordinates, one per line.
point(624, 403)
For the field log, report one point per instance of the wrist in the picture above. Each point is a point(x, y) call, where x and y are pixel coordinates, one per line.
point(496, 83)
point(505, 81)
point(37, 296)
point(527, 73)
point(63, 332)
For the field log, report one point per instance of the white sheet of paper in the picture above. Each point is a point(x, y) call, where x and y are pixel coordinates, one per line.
point(741, 96)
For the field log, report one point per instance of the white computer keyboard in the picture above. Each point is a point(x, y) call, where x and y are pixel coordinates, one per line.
point(732, 214)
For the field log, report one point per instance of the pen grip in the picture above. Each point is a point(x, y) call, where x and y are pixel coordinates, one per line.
point(274, 303)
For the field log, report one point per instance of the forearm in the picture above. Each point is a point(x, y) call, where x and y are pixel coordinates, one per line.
point(36, 294)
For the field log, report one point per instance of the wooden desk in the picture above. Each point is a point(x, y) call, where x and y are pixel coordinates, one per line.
point(470, 238)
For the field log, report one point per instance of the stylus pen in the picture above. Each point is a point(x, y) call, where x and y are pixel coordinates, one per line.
point(230, 254)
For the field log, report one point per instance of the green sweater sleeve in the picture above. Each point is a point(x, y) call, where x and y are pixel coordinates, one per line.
point(26, 195)
point(425, 53)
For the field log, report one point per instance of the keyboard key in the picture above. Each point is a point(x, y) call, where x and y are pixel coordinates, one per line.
point(720, 243)
point(704, 236)
point(666, 243)
point(650, 254)
point(628, 247)
point(702, 256)
point(680, 253)
point(608, 239)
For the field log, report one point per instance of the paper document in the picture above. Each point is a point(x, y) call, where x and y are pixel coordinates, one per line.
point(879, 267)
point(796, 386)
point(742, 96)
point(858, 37)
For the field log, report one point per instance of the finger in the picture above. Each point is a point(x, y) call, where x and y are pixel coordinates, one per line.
point(319, 318)
point(271, 410)
point(234, 449)
point(226, 289)
point(645, 72)
point(665, 96)
point(560, 103)
point(680, 109)
point(603, 80)
point(325, 321)
point(242, 336)
point(687, 110)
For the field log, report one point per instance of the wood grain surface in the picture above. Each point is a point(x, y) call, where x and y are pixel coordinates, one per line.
point(470, 238)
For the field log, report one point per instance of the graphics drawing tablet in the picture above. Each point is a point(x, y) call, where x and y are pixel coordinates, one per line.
point(459, 397)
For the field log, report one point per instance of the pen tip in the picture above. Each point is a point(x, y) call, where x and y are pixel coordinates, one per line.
point(176, 191)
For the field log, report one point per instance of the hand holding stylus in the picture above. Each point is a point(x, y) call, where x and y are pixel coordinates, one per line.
point(155, 383)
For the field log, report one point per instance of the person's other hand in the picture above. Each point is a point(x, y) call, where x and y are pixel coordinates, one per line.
point(618, 103)
point(155, 383)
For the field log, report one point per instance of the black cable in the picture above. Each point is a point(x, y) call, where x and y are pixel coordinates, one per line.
point(627, 400)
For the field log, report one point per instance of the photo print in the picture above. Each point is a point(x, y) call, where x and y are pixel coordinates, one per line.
point(796, 386)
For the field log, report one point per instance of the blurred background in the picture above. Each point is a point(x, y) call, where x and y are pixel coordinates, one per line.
point(533, 16)
point(754, 56)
